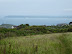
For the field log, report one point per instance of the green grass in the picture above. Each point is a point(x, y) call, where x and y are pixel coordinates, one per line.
point(58, 43)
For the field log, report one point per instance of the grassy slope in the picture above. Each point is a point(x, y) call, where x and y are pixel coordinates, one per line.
point(60, 43)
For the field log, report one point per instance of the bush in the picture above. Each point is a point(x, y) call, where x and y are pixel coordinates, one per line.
point(20, 33)
point(39, 28)
point(70, 29)
point(48, 32)
point(10, 34)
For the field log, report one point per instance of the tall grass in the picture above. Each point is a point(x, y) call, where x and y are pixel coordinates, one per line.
point(67, 42)
point(38, 44)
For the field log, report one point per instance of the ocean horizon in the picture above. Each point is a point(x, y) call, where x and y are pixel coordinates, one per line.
point(35, 20)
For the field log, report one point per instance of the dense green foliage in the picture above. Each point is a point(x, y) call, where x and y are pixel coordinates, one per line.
point(26, 29)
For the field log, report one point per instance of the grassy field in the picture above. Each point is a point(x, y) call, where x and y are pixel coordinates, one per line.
point(58, 43)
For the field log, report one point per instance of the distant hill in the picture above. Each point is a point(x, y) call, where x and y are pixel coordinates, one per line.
point(38, 16)
point(6, 26)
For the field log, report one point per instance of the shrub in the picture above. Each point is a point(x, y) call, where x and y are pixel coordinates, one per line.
point(39, 28)
point(70, 29)
point(10, 34)
point(48, 32)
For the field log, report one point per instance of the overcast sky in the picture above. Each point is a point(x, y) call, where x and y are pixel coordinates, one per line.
point(36, 7)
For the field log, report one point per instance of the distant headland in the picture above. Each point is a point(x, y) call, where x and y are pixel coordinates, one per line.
point(15, 16)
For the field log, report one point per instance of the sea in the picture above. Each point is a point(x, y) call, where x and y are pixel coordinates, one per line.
point(35, 21)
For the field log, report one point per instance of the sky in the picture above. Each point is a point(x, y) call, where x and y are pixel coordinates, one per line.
point(36, 7)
